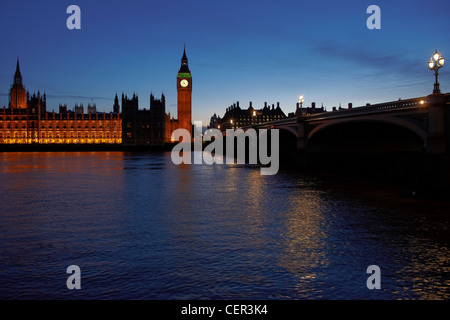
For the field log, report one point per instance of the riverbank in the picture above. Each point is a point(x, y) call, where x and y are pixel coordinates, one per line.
point(81, 147)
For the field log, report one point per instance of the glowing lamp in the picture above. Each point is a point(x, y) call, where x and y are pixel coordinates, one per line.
point(431, 64)
point(436, 56)
point(436, 62)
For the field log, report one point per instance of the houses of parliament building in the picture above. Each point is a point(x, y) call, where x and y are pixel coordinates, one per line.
point(27, 121)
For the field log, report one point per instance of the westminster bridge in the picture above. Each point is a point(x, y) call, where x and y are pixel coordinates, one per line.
point(406, 139)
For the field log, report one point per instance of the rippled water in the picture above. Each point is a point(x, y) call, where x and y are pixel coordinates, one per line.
point(140, 227)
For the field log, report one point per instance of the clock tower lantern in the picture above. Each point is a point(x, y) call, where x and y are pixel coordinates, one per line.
point(184, 89)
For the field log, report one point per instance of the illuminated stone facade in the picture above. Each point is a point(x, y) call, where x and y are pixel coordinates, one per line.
point(26, 121)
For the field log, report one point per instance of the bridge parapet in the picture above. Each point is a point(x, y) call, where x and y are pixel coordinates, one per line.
point(414, 103)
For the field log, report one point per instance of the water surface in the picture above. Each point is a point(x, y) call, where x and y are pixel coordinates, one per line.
point(140, 227)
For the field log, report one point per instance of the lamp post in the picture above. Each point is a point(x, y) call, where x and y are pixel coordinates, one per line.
point(298, 112)
point(435, 63)
point(300, 100)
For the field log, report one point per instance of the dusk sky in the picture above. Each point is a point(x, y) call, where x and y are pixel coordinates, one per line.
point(238, 51)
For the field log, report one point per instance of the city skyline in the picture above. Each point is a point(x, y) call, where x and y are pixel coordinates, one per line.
point(238, 51)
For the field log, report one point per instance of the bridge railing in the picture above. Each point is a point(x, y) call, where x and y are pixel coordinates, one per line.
point(400, 104)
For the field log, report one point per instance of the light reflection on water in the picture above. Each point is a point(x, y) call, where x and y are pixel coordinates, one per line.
point(141, 227)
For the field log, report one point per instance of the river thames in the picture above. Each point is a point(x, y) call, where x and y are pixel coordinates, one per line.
point(140, 227)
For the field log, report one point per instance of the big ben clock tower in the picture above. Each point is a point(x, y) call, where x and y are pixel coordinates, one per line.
point(184, 89)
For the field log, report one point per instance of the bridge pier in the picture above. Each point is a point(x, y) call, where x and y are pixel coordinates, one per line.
point(437, 135)
point(301, 156)
point(435, 177)
point(301, 139)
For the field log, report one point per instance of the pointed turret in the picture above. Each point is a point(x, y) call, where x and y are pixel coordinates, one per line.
point(18, 95)
point(18, 75)
point(116, 106)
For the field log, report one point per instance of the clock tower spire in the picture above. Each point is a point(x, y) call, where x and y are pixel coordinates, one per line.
point(184, 89)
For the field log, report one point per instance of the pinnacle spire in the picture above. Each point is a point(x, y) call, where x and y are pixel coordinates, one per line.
point(17, 75)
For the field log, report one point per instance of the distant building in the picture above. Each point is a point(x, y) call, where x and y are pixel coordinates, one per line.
point(235, 117)
point(214, 122)
point(305, 111)
point(309, 110)
point(26, 121)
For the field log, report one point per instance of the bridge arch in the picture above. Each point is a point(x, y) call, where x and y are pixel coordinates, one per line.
point(293, 130)
point(375, 123)
point(288, 138)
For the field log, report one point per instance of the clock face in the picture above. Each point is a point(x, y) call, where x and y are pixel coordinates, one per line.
point(184, 83)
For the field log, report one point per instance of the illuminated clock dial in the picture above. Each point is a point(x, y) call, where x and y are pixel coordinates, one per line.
point(184, 83)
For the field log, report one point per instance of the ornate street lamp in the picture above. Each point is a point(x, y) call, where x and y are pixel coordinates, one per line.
point(435, 63)
point(298, 111)
point(300, 100)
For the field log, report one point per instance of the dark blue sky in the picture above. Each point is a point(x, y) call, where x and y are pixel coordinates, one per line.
point(238, 51)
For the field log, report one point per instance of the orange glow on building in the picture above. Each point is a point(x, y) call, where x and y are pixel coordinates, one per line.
point(57, 128)
point(26, 121)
